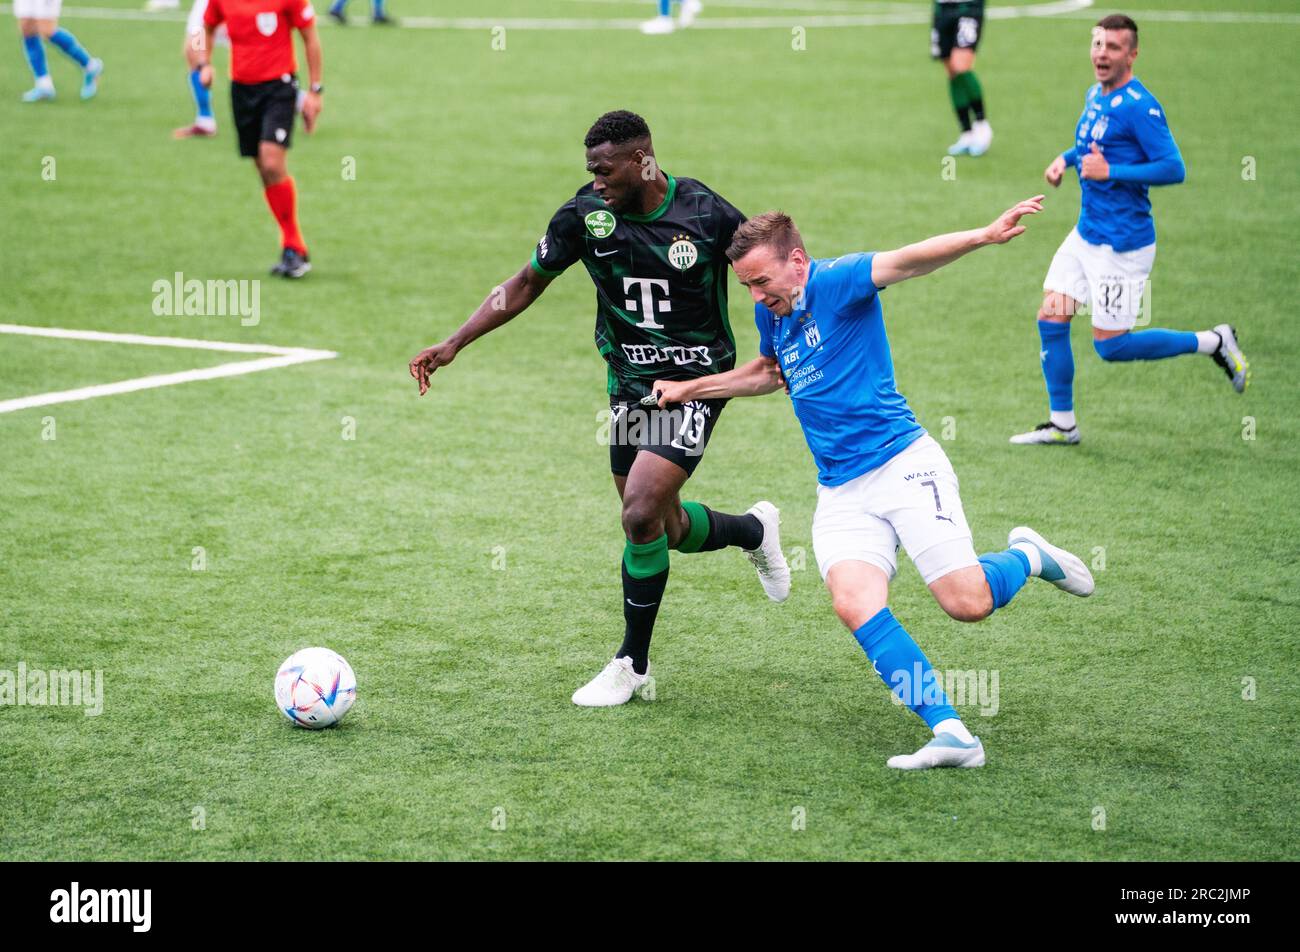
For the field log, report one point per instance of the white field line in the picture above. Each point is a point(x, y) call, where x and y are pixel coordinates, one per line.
point(895, 16)
point(280, 357)
point(921, 15)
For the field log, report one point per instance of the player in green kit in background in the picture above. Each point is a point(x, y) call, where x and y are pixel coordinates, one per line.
point(953, 39)
point(655, 247)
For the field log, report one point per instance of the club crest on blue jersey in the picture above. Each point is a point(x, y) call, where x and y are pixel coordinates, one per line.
point(811, 334)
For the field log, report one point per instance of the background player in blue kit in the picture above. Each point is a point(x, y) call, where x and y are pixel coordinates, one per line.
point(1122, 146)
point(883, 479)
point(664, 23)
point(379, 16)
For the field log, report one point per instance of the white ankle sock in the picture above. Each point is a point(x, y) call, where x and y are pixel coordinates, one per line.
point(1035, 557)
point(956, 728)
point(1064, 419)
point(1207, 342)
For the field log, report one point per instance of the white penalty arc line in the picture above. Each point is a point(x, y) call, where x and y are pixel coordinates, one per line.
point(279, 357)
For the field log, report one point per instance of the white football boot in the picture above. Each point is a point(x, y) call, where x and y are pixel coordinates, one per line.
point(1047, 433)
point(1050, 563)
point(658, 26)
point(962, 145)
point(1231, 359)
point(690, 10)
point(615, 684)
point(773, 571)
point(981, 137)
point(944, 750)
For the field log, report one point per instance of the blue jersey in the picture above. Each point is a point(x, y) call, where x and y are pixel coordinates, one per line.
point(835, 357)
point(1129, 127)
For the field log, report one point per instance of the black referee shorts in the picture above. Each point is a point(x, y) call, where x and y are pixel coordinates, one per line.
point(264, 112)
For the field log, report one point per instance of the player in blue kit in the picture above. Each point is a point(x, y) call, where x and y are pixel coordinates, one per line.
point(882, 479)
point(1122, 146)
point(663, 23)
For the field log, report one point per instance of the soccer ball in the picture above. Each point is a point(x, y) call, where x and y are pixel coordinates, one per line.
point(315, 687)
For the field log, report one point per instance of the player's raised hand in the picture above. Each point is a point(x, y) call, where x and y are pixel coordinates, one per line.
point(1008, 224)
point(428, 360)
point(1055, 171)
point(1094, 166)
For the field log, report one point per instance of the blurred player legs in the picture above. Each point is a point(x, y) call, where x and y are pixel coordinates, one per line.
point(378, 15)
point(40, 18)
point(663, 23)
point(205, 122)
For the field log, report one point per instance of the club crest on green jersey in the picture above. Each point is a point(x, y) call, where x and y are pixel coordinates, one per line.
point(682, 254)
point(600, 223)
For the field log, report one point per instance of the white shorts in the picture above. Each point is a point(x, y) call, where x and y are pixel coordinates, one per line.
point(912, 499)
point(1112, 283)
point(38, 9)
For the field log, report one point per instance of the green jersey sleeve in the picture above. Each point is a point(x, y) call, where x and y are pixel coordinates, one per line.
point(562, 244)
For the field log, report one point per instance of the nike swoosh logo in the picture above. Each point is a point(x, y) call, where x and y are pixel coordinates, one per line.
point(606, 254)
point(635, 605)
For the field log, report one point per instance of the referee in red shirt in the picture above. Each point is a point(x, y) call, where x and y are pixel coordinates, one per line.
point(264, 97)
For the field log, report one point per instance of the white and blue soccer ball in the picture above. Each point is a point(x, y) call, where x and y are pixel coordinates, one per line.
point(315, 687)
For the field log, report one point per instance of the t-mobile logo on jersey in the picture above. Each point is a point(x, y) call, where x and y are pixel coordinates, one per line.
point(649, 305)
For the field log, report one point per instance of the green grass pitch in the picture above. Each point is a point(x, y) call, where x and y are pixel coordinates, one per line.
point(462, 550)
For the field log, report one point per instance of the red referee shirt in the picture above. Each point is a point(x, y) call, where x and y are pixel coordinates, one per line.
point(261, 35)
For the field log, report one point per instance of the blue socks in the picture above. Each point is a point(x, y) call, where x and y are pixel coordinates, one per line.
point(68, 43)
point(1154, 344)
point(1006, 573)
point(338, 6)
point(904, 668)
point(202, 95)
point(35, 51)
point(664, 7)
point(1058, 363)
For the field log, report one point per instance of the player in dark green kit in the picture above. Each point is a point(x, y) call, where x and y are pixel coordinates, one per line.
point(954, 37)
point(655, 247)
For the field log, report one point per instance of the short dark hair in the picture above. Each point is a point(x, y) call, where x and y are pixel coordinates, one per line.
point(774, 229)
point(1118, 21)
point(616, 128)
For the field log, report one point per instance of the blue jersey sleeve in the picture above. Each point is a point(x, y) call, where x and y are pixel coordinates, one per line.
point(1151, 130)
point(848, 279)
point(763, 320)
point(1164, 163)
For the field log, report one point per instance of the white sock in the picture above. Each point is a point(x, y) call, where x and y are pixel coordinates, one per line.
point(1064, 418)
point(45, 82)
point(1207, 342)
point(1035, 557)
point(956, 728)
point(206, 122)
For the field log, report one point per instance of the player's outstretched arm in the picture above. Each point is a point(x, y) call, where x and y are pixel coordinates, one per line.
point(505, 302)
point(912, 261)
point(761, 375)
